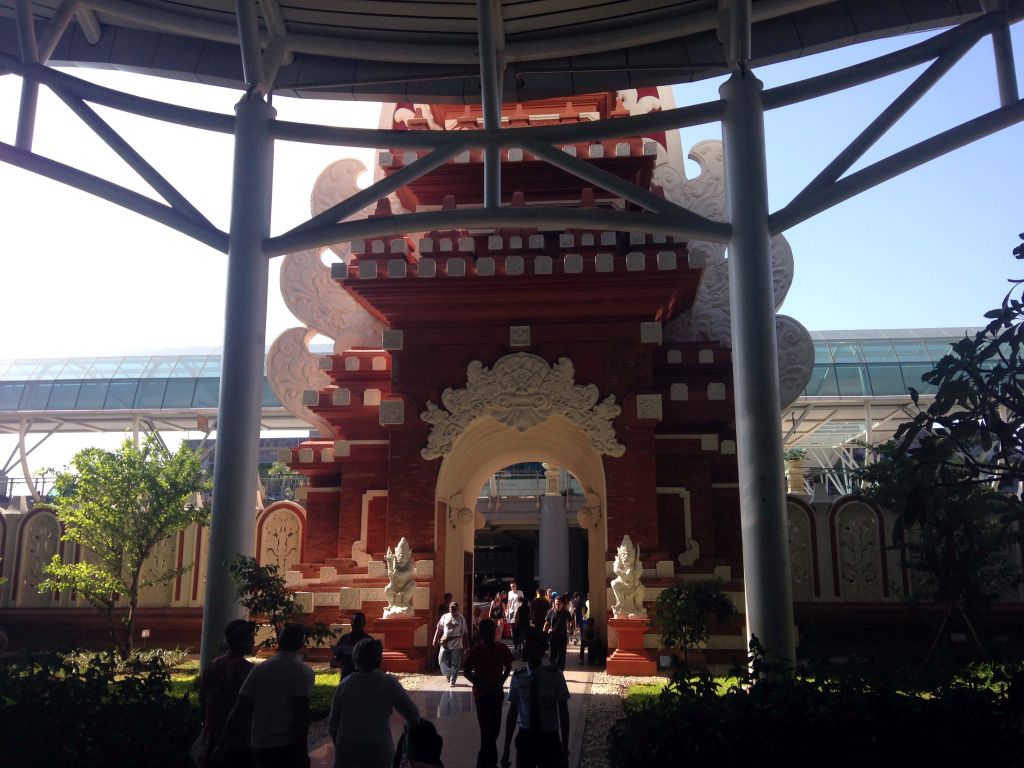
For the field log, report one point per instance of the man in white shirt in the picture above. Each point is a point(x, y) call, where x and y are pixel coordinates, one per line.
point(277, 693)
point(450, 637)
point(515, 599)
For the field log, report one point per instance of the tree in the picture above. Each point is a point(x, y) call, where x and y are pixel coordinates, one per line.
point(262, 590)
point(683, 609)
point(118, 505)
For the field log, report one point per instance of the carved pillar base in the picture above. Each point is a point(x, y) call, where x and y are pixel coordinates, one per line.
point(631, 658)
point(400, 651)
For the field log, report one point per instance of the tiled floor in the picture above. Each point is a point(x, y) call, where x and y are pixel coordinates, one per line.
point(451, 711)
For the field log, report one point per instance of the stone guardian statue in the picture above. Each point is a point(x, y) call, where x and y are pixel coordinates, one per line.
point(401, 583)
point(626, 586)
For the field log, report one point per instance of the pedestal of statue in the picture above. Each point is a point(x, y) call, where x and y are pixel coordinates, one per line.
point(400, 651)
point(630, 657)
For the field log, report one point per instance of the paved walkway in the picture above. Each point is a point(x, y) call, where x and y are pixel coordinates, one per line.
point(451, 711)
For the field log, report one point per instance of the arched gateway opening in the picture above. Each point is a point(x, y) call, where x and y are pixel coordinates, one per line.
point(487, 446)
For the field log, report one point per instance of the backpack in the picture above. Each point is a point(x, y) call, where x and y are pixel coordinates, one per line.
point(419, 746)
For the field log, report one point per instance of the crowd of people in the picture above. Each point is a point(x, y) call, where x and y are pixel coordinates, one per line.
point(258, 714)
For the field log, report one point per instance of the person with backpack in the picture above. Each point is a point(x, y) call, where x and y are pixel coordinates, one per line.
point(487, 666)
point(359, 724)
point(539, 703)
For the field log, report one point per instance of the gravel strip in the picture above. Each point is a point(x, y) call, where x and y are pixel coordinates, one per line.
point(604, 709)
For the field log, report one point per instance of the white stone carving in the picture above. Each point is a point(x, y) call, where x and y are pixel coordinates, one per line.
point(280, 537)
point(626, 586)
point(800, 560)
point(292, 370)
point(521, 391)
point(392, 412)
point(157, 587)
point(796, 358)
point(401, 582)
point(320, 302)
point(359, 553)
point(40, 542)
point(519, 335)
point(859, 553)
point(337, 182)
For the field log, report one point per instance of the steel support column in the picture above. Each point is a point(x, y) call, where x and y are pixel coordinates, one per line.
point(241, 382)
point(490, 100)
point(766, 575)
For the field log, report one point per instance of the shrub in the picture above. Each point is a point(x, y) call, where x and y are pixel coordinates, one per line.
point(89, 711)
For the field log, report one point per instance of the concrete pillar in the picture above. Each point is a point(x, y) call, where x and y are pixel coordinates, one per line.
point(232, 529)
point(554, 534)
point(766, 573)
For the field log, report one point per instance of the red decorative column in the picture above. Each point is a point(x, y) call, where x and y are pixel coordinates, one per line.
point(631, 658)
point(400, 651)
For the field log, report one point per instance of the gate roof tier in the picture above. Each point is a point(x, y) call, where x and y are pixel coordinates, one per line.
point(624, 293)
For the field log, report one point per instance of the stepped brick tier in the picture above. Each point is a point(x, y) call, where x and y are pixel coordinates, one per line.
point(518, 345)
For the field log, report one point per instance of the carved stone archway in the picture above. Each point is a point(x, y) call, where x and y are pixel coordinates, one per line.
point(523, 409)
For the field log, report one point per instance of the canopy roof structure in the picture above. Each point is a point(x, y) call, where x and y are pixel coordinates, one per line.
point(428, 49)
point(493, 52)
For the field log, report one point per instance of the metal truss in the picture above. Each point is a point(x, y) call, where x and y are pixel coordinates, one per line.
point(660, 216)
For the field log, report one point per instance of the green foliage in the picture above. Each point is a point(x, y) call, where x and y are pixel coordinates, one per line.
point(682, 613)
point(93, 711)
point(118, 505)
point(263, 592)
point(840, 715)
point(794, 454)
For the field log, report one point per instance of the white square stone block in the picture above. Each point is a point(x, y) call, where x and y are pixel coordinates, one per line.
point(709, 442)
point(587, 239)
point(604, 262)
point(398, 245)
point(679, 391)
point(519, 336)
point(570, 149)
point(423, 569)
point(608, 238)
point(495, 242)
point(342, 448)
point(328, 573)
point(636, 262)
point(339, 271)
point(377, 246)
point(659, 238)
point(648, 406)
point(367, 270)
point(664, 569)
point(485, 266)
point(410, 157)
point(325, 362)
point(392, 412)
point(358, 247)
point(467, 245)
point(421, 637)
point(310, 397)
point(303, 601)
point(462, 157)
point(426, 268)
point(392, 340)
point(397, 268)
point(426, 245)
point(386, 158)
point(650, 332)
point(349, 599)
point(379, 363)
point(326, 455)
point(729, 447)
point(622, 149)
point(650, 148)
point(515, 154)
point(515, 242)
point(675, 357)
point(572, 263)
point(306, 456)
point(536, 241)
point(292, 578)
point(667, 260)
point(421, 598)
point(456, 267)
point(352, 363)
point(514, 265)
point(371, 397)
point(284, 455)
point(542, 265)
point(636, 238)
point(706, 356)
point(716, 391)
point(596, 151)
point(566, 240)
point(376, 568)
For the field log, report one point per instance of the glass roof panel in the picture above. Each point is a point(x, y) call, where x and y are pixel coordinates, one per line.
point(189, 367)
point(878, 351)
point(159, 367)
point(103, 368)
point(846, 352)
point(911, 351)
point(131, 367)
point(21, 370)
point(76, 368)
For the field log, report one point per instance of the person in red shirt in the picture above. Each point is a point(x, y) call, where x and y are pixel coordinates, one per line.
point(487, 666)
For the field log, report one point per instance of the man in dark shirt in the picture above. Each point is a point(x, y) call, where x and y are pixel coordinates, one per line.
point(342, 651)
point(218, 692)
point(539, 608)
point(557, 627)
point(487, 666)
point(539, 702)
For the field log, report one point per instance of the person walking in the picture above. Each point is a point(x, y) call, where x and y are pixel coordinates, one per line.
point(515, 599)
point(539, 608)
point(539, 703)
point(556, 626)
point(276, 695)
point(450, 637)
point(496, 613)
point(359, 724)
point(487, 666)
point(521, 625)
point(341, 653)
point(218, 693)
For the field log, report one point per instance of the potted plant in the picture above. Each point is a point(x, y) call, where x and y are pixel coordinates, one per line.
point(796, 469)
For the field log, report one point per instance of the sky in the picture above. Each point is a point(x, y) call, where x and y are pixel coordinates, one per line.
point(932, 248)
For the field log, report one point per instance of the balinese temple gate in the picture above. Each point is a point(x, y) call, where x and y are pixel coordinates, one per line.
point(458, 353)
